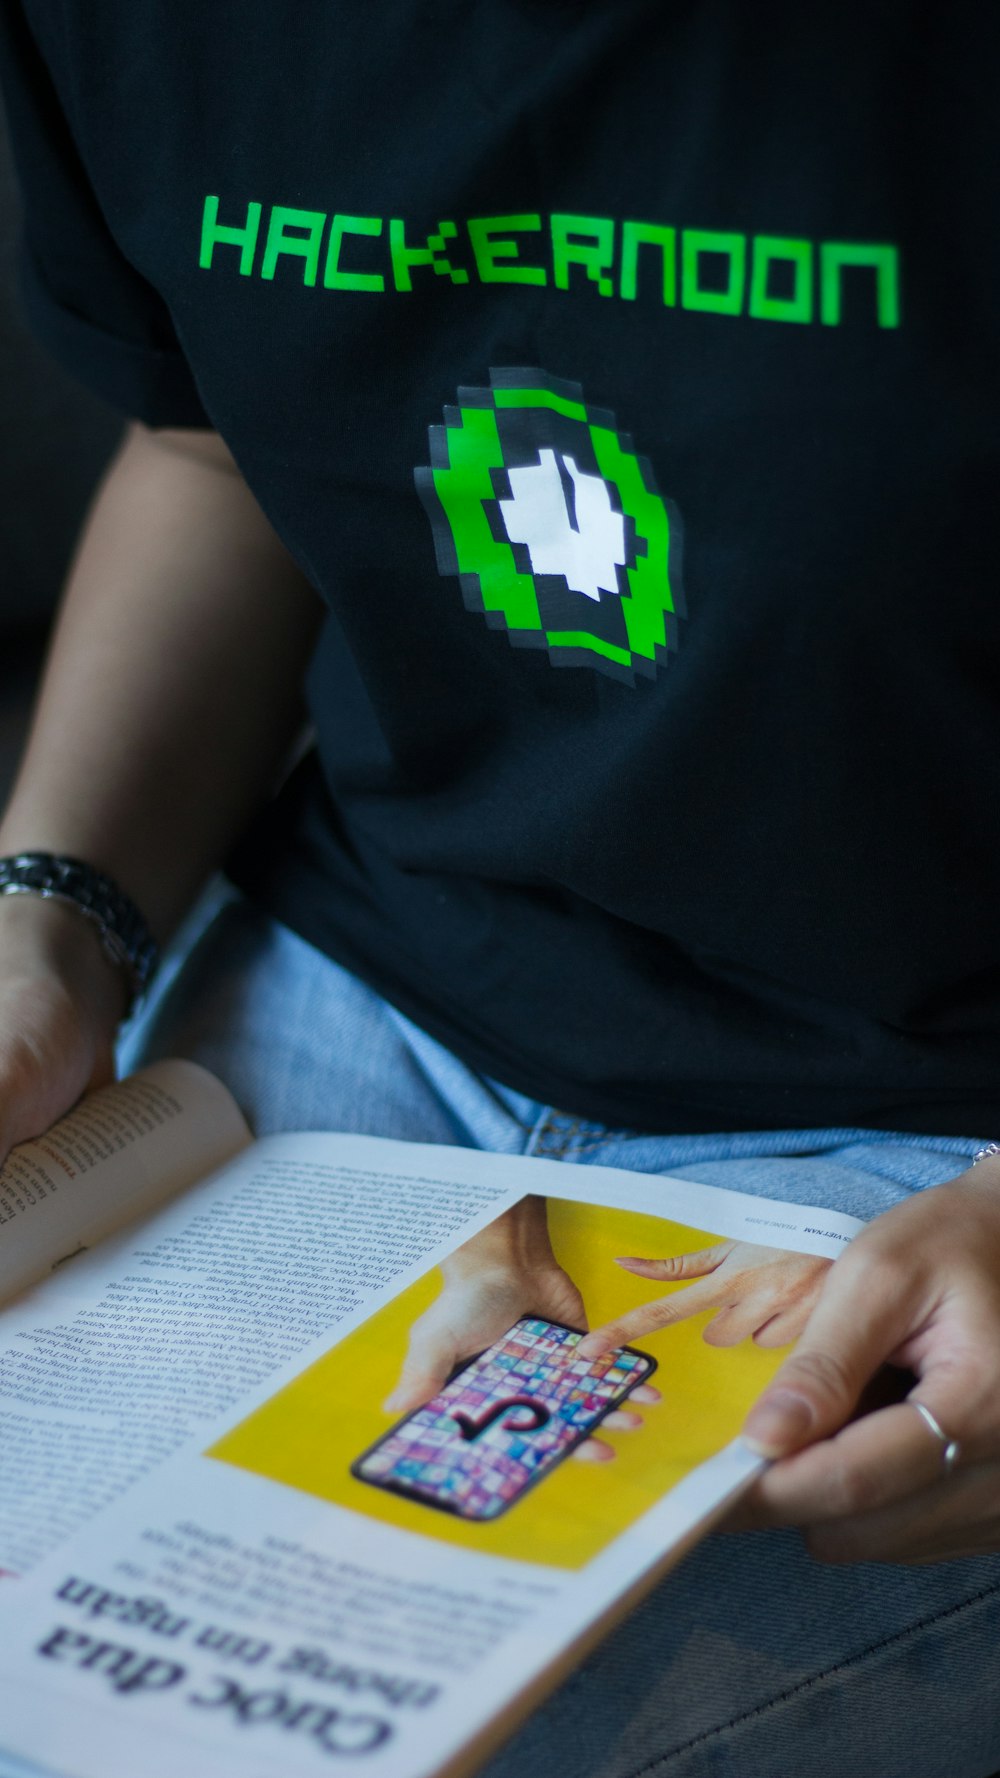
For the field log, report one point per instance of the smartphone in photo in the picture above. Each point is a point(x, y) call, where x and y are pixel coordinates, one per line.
point(503, 1422)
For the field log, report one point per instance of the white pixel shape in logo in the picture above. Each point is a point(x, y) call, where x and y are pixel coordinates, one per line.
point(567, 522)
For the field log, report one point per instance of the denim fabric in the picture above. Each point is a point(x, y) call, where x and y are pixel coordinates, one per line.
point(303, 1045)
point(751, 1661)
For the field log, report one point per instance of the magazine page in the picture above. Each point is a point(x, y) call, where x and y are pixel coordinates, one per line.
point(117, 1155)
point(350, 1568)
point(118, 1359)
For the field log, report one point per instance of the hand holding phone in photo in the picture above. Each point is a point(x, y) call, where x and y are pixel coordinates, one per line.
point(504, 1421)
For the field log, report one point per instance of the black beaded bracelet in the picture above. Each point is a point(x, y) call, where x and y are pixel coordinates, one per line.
point(122, 930)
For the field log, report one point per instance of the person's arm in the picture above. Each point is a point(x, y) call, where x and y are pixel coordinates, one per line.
point(171, 696)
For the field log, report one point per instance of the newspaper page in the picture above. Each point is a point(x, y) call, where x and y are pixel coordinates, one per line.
point(118, 1155)
point(361, 1564)
point(128, 1352)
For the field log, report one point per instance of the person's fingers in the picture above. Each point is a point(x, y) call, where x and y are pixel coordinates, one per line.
point(783, 1328)
point(60, 1003)
point(679, 1266)
point(594, 1450)
point(956, 1517)
point(863, 1315)
point(735, 1323)
point(869, 1464)
point(44, 1068)
point(645, 1395)
point(754, 1319)
point(873, 1463)
point(649, 1318)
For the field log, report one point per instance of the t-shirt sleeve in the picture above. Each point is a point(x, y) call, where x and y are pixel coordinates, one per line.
point(94, 311)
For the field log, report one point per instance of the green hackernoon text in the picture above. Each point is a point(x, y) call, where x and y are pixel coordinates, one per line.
point(765, 277)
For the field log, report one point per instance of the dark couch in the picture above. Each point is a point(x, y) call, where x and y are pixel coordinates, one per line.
point(54, 441)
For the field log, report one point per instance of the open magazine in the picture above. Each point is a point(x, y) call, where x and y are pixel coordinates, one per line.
point(226, 1549)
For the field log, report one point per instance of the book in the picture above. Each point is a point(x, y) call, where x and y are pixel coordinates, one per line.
point(223, 1542)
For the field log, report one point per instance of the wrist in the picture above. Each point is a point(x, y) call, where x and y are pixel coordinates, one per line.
point(47, 941)
point(94, 897)
point(517, 1241)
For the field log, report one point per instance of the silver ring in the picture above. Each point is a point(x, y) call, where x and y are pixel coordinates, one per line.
point(952, 1449)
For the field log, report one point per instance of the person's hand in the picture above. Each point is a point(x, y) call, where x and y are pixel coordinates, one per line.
point(759, 1293)
point(60, 1002)
point(918, 1288)
point(507, 1271)
point(473, 1310)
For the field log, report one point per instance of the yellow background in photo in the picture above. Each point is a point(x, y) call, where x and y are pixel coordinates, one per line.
point(310, 1433)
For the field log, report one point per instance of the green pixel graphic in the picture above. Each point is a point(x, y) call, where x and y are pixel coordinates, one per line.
point(433, 254)
point(553, 525)
point(688, 270)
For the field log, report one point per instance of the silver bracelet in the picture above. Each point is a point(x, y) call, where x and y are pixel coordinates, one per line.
point(987, 1153)
point(121, 928)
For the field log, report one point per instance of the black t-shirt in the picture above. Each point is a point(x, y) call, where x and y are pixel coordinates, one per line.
point(624, 376)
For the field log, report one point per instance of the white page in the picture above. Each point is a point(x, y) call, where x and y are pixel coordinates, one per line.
point(176, 1627)
point(115, 1360)
point(121, 1152)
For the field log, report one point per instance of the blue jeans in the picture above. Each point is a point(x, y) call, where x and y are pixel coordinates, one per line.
point(751, 1660)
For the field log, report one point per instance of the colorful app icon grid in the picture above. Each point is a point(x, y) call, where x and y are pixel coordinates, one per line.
point(503, 1421)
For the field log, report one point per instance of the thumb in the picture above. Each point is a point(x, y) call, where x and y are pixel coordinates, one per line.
point(415, 1387)
point(36, 1106)
point(850, 1334)
point(426, 1368)
point(49, 1057)
point(32, 1097)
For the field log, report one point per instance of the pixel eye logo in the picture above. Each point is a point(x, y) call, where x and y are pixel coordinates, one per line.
point(565, 519)
point(554, 526)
